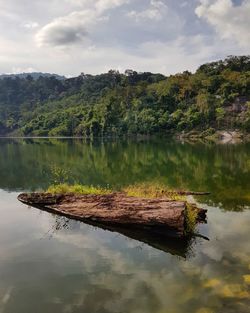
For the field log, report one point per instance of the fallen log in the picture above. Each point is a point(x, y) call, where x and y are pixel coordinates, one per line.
point(160, 215)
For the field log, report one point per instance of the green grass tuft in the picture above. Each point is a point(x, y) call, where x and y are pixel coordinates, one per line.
point(147, 190)
point(78, 189)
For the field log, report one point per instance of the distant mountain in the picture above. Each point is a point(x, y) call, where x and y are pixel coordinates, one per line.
point(215, 97)
point(34, 75)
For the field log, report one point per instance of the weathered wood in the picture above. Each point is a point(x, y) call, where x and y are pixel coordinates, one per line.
point(161, 214)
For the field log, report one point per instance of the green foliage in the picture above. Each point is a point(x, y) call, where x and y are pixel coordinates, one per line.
point(114, 104)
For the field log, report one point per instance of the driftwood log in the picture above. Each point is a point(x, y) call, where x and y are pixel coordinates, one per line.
point(159, 215)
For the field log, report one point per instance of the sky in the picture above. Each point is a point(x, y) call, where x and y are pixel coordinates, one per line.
point(70, 37)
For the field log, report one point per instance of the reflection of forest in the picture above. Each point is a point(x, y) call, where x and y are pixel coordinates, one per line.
point(221, 169)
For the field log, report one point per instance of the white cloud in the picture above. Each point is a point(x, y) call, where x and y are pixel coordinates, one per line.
point(103, 5)
point(78, 2)
point(69, 29)
point(31, 25)
point(230, 22)
point(74, 27)
point(18, 70)
point(100, 5)
point(155, 11)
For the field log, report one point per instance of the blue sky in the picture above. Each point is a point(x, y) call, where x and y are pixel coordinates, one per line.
point(73, 36)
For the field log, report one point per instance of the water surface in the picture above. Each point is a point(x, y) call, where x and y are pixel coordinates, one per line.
point(51, 264)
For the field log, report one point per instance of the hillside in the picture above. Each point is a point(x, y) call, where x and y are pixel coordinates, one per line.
point(216, 96)
point(34, 75)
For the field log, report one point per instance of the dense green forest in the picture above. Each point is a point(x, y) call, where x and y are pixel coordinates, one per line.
point(216, 96)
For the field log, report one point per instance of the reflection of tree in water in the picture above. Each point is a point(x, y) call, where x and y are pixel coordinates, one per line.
point(221, 169)
point(59, 223)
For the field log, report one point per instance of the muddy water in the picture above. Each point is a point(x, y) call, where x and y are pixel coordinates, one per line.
point(51, 264)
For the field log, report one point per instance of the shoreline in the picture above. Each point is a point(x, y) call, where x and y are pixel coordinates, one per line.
point(219, 136)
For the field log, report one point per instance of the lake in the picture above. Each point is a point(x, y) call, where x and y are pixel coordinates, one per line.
point(50, 264)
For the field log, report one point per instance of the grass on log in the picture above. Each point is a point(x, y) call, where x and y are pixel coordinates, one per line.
point(146, 190)
point(78, 189)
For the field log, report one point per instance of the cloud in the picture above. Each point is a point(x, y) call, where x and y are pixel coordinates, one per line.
point(74, 27)
point(184, 4)
point(230, 22)
point(103, 5)
point(18, 70)
point(78, 2)
point(99, 5)
point(31, 25)
point(66, 30)
point(155, 11)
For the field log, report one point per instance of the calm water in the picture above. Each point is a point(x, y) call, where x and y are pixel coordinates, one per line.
point(50, 264)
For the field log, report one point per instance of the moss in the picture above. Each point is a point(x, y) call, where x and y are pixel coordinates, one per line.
point(78, 189)
point(190, 218)
point(154, 190)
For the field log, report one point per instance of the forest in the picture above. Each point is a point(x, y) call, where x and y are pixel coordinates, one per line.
point(215, 97)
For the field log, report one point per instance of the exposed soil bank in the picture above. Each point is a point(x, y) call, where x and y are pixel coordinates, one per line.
point(159, 215)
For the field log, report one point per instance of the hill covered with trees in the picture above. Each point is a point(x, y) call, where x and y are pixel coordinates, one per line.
point(34, 75)
point(216, 96)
